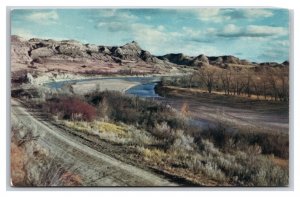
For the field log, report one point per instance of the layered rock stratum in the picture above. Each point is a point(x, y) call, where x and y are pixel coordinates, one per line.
point(71, 56)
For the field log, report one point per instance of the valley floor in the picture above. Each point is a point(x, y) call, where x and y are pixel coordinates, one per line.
point(95, 159)
point(266, 116)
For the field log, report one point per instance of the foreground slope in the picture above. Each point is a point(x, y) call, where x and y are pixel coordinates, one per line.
point(94, 168)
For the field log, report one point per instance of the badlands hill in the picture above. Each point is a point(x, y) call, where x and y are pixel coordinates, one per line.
point(47, 55)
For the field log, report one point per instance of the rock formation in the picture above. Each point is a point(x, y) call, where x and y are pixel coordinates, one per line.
point(37, 52)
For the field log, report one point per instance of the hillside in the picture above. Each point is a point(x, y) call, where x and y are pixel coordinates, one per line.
point(74, 57)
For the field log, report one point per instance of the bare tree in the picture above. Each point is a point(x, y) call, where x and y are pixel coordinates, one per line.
point(208, 75)
point(283, 82)
point(264, 82)
point(237, 81)
point(272, 79)
point(248, 77)
point(226, 77)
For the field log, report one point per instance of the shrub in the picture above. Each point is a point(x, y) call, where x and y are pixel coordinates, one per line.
point(165, 139)
point(183, 142)
point(162, 130)
point(71, 108)
point(133, 110)
point(228, 140)
point(238, 168)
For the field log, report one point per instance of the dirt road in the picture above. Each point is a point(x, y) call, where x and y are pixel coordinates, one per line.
point(96, 168)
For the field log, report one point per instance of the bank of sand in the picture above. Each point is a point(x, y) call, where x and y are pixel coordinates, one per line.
point(102, 85)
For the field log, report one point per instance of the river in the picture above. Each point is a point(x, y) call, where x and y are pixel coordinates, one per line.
point(145, 89)
point(202, 112)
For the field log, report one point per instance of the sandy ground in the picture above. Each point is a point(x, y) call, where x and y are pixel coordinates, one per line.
point(96, 168)
point(102, 85)
point(241, 113)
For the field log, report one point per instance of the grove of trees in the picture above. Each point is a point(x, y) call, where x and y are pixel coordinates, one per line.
point(269, 83)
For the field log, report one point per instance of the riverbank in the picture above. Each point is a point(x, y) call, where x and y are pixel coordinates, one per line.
point(54, 77)
point(120, 85)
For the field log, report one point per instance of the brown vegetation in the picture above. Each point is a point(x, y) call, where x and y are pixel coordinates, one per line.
point(33, 165)
point(217, 155)
point(266, 82)
point(17, 164)
point(71, 108)
point(153, 134)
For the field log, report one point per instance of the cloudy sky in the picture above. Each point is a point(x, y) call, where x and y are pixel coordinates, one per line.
point(253, 34)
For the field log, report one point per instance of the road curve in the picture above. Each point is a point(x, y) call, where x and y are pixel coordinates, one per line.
point(96, 168)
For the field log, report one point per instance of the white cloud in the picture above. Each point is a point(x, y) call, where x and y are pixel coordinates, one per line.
point(232, 30)
point(161, 28)
point(197, 49)
point(116, 15)
point(43, 17)
point(191, 32)
point(207, 13)
point(256, 39)
point(265, 30)
point(256, 13)
point(24, 33)
point(282, 43)
point(114, 20)
point(211, 14)
point(210, 30)
point(159, 41)
point(107, 12)
point(127, 16)
point(149, 36)
point(205, 35)
point(113, 26)
point(217, 15)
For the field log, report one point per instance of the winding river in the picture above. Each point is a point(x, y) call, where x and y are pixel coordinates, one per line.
point(201, 114)
point(145, 89)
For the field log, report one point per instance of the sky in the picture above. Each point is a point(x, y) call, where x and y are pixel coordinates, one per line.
point(254, 34)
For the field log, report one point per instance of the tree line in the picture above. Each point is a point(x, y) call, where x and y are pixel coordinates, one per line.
point(269, 83)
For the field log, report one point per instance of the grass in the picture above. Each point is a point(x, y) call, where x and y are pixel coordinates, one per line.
point(113, 128)
point(112, 132)
point(97, 126)
point(78, 125)
point(153, 155)
point(100, 126)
